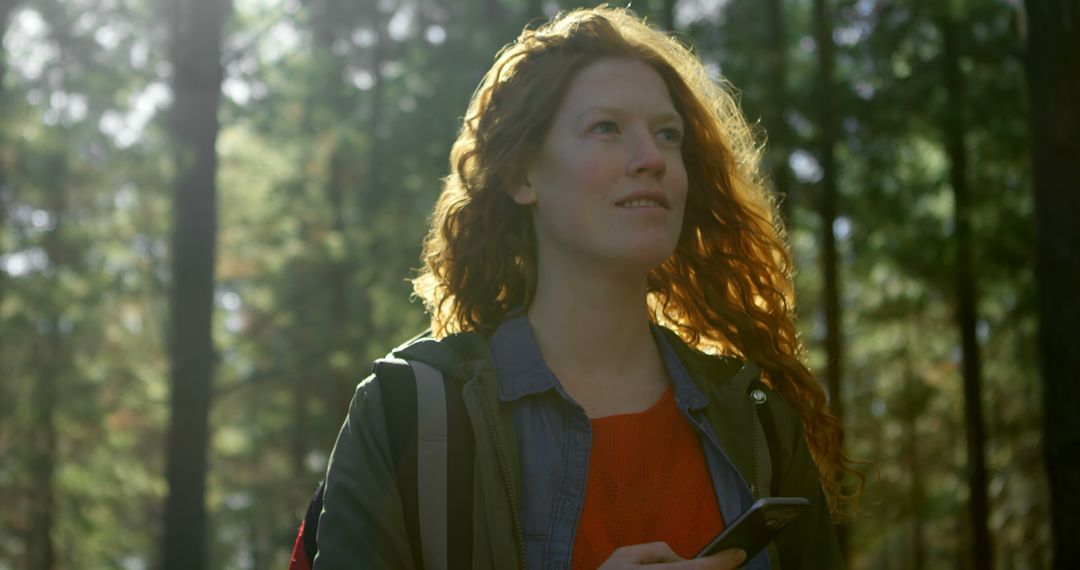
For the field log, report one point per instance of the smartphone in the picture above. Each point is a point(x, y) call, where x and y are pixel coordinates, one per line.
point(758, 526)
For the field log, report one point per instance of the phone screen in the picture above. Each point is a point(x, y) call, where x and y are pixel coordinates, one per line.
point(758, 526)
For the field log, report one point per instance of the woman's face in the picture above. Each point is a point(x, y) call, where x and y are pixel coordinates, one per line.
point(608, 185)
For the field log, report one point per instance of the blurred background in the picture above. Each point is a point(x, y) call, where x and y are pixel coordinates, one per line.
point(178, 318)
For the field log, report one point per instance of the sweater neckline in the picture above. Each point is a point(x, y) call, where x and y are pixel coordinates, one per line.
point(630, 417)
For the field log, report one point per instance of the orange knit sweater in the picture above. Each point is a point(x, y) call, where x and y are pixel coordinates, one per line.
point(647, 482)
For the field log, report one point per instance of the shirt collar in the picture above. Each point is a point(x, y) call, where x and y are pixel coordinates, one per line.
point(522, 371)
point(520, 366)
point(687, 393)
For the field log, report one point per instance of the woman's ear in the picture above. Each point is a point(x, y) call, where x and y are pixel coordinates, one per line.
point(523, 194)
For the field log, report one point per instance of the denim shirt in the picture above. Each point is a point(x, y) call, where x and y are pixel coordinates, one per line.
point(555, 437)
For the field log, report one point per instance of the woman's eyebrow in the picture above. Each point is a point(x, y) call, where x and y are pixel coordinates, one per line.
point(663, 117)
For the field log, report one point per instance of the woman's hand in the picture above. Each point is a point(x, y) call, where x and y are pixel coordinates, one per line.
point(659, 555)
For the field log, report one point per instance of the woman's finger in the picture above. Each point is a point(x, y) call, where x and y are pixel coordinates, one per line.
point(638, 554)
point(730, 558)
point(725, 560)
point(660, 556)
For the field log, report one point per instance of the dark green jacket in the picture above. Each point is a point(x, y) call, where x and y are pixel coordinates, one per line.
point(362, 524)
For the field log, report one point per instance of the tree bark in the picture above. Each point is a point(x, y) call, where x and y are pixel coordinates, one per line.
point(914, 403)
point(7, 402)
point(917, 493)
point(534, 9)
point(49, 356)
point(340, 183)
point(1053, 73)
point(966, 292)
point(827, 140)
point(339, 275)
point(776, 126)
point(667, 15)
point(496, 12)
point(196, 81)
point(372, 191)
point(40, 547)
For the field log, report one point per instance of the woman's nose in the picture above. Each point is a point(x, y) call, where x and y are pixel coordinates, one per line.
point(646, 156)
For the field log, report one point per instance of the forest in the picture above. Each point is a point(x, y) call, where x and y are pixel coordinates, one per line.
point(210, 211)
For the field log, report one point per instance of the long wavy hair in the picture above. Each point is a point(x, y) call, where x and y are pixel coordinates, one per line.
point(726, 289)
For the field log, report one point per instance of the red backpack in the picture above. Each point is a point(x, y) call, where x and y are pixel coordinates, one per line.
point(303, 552)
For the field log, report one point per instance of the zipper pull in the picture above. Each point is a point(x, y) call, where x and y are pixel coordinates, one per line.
point(758, 397)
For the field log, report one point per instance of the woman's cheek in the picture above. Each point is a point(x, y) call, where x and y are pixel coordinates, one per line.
point(595, 168)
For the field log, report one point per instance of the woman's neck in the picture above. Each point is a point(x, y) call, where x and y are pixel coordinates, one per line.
point(594, 333)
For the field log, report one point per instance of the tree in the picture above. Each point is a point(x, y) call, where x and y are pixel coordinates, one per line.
point(6, 8)
point(1053, 74)
point(779, 135)
point(827, 210)
point(667, 14)
point(49, 356)
point(196, 85)
point(50, 345)
point(964, 281)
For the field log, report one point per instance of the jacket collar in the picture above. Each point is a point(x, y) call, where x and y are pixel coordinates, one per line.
point(522, 372)
point(729, 375)
point(513, 352)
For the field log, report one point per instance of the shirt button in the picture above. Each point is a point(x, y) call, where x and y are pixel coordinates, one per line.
point(580, 439)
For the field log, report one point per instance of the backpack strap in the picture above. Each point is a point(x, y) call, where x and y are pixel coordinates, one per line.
point(432, 448)
point(462, 448)
point(431, 459)
point(399, 400)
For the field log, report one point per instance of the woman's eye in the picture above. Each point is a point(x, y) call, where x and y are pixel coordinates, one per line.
point(605, 127)
point(673, 135)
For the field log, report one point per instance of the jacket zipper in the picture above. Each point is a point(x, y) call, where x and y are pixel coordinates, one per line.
point(489, 418)
point(757, 397)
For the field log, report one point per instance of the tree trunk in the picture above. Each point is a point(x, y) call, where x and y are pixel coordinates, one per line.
point(966, 312)
point(776, 126)
point(917, 494)
point(300, 437)
point(48, 360)
point(827, 211)
point(40, 548)
point(534, 9)
point(667, 15)
point(339, 184)
point(196, 81)
point(372, 192)
point(1053, 70)
point(496, 12)
point(914, 403)
point(49, 356)
point(340, 273)
point(7, 402)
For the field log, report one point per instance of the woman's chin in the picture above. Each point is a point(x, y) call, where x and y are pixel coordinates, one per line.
point(645, 259)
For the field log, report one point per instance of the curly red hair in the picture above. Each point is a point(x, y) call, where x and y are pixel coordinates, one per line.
point(727, 288)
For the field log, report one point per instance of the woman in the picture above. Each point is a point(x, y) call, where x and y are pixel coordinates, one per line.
point(603, 188)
